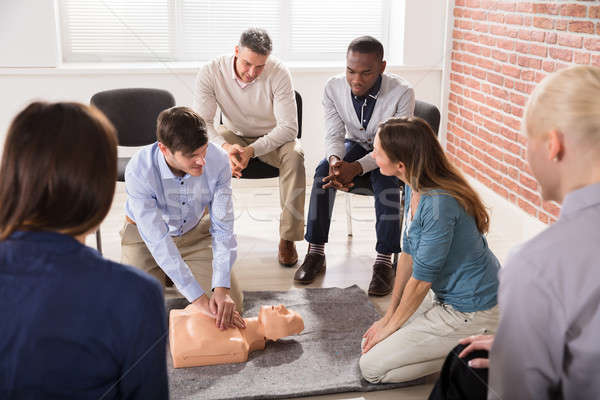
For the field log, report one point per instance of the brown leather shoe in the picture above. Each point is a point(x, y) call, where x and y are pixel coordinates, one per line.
point(288, 256)
point(313, 266)
point(382, 281)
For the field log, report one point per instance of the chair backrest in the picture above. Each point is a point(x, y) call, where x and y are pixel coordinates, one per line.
point(133, 112)
point(429, 113)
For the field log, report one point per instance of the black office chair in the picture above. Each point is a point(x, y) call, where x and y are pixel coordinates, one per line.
point(257, 169)
point(362, 184)
point(133, 112)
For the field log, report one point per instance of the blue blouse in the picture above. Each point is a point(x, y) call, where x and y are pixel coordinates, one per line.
point(74, 325)
point(449, 251)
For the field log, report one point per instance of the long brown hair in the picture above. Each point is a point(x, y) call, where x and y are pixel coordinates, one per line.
point(413, 142)
point(58, 169)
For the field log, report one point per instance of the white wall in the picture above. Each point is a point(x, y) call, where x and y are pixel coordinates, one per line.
point(510, 225)
point(424, 32)
point(28, 33)
point(32, 41)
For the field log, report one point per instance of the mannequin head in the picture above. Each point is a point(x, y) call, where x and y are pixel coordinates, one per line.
point(279, 322)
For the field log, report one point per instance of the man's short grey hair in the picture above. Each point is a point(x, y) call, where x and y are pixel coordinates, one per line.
point(257, 40)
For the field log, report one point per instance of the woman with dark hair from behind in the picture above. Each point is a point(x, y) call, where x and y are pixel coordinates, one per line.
point(444, 249)
point(74, 325)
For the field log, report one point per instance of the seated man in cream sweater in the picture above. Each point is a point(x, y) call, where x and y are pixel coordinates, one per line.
point(259, 119)
point(355, 105)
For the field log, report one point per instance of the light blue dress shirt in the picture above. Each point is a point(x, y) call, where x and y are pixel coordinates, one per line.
point(449, 251)
point(164, 205)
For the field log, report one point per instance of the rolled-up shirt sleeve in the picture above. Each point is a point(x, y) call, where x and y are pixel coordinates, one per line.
point(438, 216)
point(155, 234)
point(224, 245)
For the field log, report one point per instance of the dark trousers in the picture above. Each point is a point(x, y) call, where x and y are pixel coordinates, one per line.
point(386, 190)
point(458, 380)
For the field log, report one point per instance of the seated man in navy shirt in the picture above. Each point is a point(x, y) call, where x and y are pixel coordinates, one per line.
point(179, 215)
point(74, 325)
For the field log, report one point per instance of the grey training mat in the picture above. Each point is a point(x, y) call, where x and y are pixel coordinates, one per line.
point(323, 359)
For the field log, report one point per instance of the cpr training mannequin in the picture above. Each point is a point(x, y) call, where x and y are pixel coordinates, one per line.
point(195, 339)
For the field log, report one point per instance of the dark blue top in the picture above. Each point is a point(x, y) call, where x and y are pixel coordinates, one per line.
point(364, 105)
point(77, 326)
point(449, 251)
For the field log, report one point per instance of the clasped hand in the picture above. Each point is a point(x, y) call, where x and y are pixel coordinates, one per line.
point(341, 175)
point(239, 157)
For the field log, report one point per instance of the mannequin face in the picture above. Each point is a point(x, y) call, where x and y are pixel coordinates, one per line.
point(279, 322)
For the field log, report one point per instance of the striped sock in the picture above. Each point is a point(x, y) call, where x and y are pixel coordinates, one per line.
point(316, 249)
point(384, 259)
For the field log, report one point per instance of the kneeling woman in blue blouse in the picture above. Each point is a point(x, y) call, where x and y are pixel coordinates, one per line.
point(444, 250)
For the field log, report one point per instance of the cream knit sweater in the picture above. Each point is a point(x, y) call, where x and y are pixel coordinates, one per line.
point(266, 108)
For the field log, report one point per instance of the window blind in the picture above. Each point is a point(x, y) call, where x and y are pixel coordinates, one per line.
point(198, 30)
point(113, 30)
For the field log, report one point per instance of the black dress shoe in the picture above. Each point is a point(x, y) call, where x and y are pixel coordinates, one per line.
point(313, 265)
point(382, 281)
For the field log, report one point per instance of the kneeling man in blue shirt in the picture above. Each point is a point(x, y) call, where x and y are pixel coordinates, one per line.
point(179, 215)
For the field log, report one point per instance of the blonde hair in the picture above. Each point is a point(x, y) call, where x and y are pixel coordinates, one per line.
point(567, 101)
point(413, 142)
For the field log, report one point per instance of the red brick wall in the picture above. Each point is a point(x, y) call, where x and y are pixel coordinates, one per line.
point(500, 50)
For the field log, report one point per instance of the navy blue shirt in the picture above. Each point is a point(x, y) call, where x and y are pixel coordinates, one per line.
point(364, 105)
point(75, 325)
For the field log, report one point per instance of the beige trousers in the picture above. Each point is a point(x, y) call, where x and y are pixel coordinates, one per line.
point(420, 347)
point(289, 158)
point(195, 249)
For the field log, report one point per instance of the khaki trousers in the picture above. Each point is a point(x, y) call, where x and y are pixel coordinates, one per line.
point(420, 347)
point(289, 158)
point(195, 249)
